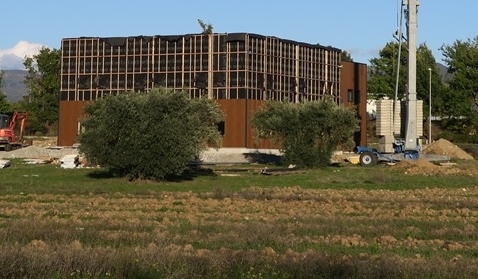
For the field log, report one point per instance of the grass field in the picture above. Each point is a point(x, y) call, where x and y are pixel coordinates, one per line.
point(343, 221)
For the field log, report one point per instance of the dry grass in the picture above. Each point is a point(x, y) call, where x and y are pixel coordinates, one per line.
point(73, 261)
point(252, 233)
point(337, 222)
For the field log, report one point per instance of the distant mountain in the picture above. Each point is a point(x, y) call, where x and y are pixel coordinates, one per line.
point(11, 62)
point(13, 85)
point(443, 71)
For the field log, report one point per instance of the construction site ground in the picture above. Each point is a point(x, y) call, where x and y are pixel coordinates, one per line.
point(462, 162)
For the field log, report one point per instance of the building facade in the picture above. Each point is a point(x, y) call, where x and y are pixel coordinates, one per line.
point(240, 71)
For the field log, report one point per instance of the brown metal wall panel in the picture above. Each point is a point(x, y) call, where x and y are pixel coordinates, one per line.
point(234, 122)
point(234, 110)
point(354, 93)
point(70, 113)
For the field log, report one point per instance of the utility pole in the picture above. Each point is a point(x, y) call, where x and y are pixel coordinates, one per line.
point(411, 138)
point(430, 138)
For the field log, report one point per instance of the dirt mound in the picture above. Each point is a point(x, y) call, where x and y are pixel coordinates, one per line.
point(444, 147)
point(424, 167)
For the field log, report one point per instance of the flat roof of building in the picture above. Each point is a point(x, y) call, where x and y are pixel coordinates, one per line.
point(231, 37)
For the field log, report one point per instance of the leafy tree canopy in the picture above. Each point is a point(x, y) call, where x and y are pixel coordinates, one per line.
point(383, 71)
point(307, 133)
point(455, 100)
point(149, 136)
point(461, 59)
point(383, 75)
point(461, 99)
point(346, 56)
point(43, 83)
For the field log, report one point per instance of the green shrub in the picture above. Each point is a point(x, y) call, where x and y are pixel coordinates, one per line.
point(458, 138)
point(307, 133)
point(149, 136)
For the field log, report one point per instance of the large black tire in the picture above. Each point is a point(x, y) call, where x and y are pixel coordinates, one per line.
point(367, 159)
point(8, 147)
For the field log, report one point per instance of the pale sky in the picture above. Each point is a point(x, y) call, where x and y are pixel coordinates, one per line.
point(361, 28)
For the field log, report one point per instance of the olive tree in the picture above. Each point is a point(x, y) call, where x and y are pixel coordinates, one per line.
point(307, 133)
point(149, 136)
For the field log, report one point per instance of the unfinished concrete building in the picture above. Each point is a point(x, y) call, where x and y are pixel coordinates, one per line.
point(239, 71)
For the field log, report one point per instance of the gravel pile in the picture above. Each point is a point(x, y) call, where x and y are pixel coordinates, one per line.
point(209, 156)
point(240, 155)
point(38, 152)
point(214, 157)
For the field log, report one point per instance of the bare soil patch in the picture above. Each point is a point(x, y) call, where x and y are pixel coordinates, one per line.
point(276, 225)
point(440, 147)
point(424, 167)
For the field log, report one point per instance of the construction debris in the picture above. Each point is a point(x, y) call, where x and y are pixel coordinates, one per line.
point(35, 161)
point(4, 164)
point(280, 171)
point(70, 161)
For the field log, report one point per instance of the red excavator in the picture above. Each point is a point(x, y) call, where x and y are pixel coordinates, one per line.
point(8, 140)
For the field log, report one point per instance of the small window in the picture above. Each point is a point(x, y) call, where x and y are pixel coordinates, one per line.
point(221, 127)
point(350, 96)
point(4, 121)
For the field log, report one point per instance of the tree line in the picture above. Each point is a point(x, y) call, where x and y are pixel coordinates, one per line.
point(454, 100)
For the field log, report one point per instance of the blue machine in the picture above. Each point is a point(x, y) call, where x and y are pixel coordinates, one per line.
point(371, 156)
